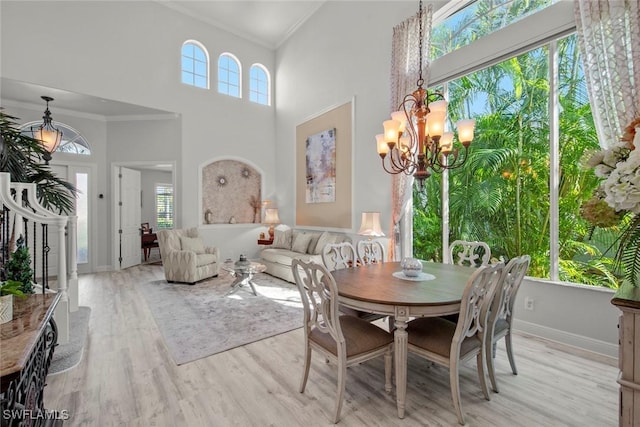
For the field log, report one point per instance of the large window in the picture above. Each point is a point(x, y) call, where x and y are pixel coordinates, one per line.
point(479, 18)
point(259, 85)
point(507, 193)
point(229, 75)
point(164, 206)
point(195, 65)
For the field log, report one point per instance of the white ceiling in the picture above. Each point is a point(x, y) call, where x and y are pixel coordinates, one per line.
point(268, 23)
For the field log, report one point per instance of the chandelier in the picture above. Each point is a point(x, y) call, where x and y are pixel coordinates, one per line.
point(48, 135)
point(414, 141)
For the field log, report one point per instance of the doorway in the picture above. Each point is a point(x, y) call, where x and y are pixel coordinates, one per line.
point(127, 220)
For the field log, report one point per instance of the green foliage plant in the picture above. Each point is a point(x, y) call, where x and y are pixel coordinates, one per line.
point(11, 287)
point(18, 268)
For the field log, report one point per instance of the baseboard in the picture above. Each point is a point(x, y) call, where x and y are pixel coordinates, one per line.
point(580, 341)
point(104, 268)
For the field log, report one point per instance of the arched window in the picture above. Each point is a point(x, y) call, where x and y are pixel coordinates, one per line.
point(259, 85)
point(72, 142)
point(195, 64)
point(229, 75)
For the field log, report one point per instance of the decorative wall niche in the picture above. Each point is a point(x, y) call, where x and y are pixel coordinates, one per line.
point(231, 193)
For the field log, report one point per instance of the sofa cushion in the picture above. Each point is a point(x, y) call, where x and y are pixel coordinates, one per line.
point(192, 244)
point(325, 239)
point(205, 259)
point(314, 242)
point(282, 238)
point(300, 242)
point(284, 257)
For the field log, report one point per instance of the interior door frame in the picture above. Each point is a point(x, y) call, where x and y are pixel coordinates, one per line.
point(93, 216)
point(115, 191)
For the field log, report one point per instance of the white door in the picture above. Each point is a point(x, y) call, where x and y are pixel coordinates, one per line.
point(130, 217)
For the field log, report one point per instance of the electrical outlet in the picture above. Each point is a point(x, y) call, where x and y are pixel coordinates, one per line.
point(528, 303)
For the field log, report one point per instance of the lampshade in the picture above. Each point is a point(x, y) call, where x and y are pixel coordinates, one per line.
point(370, 225)
point(271, 216)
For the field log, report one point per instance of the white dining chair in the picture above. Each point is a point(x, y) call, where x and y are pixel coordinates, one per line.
point(450, 344)
point(473, 254)
point(371, 252)
point(336, 256)
point(500, 316)
point(339, 255)
point(344, 340)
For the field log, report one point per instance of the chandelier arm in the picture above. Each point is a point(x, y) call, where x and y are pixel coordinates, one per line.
point(391, 171)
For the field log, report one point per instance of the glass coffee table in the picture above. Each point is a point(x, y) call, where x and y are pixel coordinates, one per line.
point(243, 275)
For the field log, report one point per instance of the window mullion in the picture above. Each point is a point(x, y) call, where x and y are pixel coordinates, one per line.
point(554, 173)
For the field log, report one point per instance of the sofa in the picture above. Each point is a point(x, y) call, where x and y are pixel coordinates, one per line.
point(185, 258)
point(289, 244)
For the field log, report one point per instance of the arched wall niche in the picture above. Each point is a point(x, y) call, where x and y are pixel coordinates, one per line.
point(231, 193)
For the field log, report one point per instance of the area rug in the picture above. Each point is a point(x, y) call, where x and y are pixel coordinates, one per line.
point(198, 320)
point(67, 356)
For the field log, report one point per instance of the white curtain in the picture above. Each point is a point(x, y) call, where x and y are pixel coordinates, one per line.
point(609, 40)
point(404, 76)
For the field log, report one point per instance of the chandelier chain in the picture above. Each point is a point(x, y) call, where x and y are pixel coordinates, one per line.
point(421, 36)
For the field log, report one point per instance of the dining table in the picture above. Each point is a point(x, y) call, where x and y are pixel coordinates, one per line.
point(383, 288)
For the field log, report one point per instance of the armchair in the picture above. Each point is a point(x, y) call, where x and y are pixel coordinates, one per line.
point(185, 258)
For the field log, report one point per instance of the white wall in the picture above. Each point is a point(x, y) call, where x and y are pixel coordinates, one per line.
point(130, 52)
point(579, 315)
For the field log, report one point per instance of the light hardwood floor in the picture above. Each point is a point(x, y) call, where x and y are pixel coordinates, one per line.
point(127, 378)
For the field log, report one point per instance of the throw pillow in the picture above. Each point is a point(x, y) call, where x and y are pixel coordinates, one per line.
point(282, 239)
point(313, 244)
point(193, 244)
point(301, 242)
point(325, 239)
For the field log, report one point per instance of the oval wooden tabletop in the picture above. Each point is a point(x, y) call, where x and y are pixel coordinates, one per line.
point(375, 283)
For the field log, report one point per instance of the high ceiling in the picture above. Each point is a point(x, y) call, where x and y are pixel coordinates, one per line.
point(268, 23)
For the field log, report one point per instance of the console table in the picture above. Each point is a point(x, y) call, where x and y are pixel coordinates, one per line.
point(627, 299)
point(26, 348)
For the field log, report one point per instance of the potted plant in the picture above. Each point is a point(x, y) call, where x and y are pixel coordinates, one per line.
point(8, 289)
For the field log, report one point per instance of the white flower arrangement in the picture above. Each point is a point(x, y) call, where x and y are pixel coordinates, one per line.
point(620, 167)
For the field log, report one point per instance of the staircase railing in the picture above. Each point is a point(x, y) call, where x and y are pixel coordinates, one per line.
point(22, 216)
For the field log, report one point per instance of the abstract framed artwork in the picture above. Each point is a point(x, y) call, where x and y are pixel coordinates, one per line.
point(323, 179)
point(320, 155)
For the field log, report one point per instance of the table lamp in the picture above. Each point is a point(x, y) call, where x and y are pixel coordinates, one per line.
point(370, 225)
point(271, 219)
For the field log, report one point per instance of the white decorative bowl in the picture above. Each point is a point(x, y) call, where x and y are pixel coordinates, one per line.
point(411, 267)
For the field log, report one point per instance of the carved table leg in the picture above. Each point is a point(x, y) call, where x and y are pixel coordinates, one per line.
point(400, 344)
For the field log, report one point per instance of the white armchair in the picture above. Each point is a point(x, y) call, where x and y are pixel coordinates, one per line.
point(185, 258)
